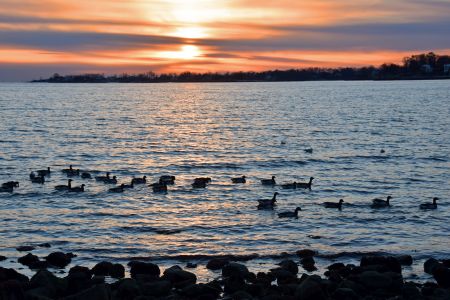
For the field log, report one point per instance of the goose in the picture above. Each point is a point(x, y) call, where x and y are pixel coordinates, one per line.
point(77, 189)
point(139, 180)
point(159, 187)
point(43, 172)
point(289, 185)
point(268, 203)
point(32, 175)
point(308, 150)
point(6, 189)
point(334, 204)
point(203, 179)
point(167, 179)
point(73, 173)
point(128, 186)
point(239, 180)
point(112, 180)
point(86, 175)
point(69, 170)
point(102, 178)
point(305, 185)
point(268, 181)
point(12, 184)
point(199, 184)
point(429, 205)
point(64, 187)
point(117, 189)
point(378, 203)
point(290, 214)
point(37, 179)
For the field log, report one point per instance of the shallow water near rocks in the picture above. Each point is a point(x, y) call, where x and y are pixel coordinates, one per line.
point(224, 130)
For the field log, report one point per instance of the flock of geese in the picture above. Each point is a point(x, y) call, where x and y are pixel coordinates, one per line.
point(201, 182)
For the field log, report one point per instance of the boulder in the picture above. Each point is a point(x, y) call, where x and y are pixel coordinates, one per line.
point(59, 259)
point(25, 248)
point(344, 294)
point(11, 274)
point(143, 268)
point(117, 271)
point(46, 284)
point(79, 279)
point(404, 260)
point(310, 289)
point(306, 253)
point(411, 292)
point(381, 263)
point(373, 280)
point(157, 288)
point(127, 289)
point(430, 264)
point(12, 289)
point(233, 269)
point(28, 260)
point(283, 276)
point(308, 263)
point(97, 292)
point(241, 295)
point(179, 277)
point(80, 269)
point(442, 276)
point(2, 258)
point(289, 265)
point(103, 268)
point(202, 291)
point(217, 263)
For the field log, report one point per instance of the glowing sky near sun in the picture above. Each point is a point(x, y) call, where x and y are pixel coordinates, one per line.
point(40, 37)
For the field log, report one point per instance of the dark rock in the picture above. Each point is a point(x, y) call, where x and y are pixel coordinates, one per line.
point(127, 289)
point(217, 263)
point(103, 268)
point(191, 265)
point(373, 280)
point(201, 291)
point(283, 276)
point(59, 259)
point(28, 260)
point(430, 264)
point(178, 277)
point(117, 271)
point(310, 289)
point(336, 267)
point(138, 267)
point(233, 269)
point(11, 274)
point(344, 294)
point(289, 265)
point(256, 290)
point(308, 263)
point(44, 245)
point(97, 292)
point(404, 260)
point(98, 279)
point(241, 295)
point(12, 290)
point(306, 253)
point(80, 269)
point(354, 286)
point(46, 284)
point(411, 292)
point(79, 279)
point(446, 263)
point(25, 248)
point(442, 276)
point(157, 288)
point(233, 284)
point(381, 263)
point(2, 258)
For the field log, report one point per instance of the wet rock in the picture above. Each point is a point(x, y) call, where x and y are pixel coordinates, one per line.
point(2, 258)
point(373, 280)
point(102, 268)
point(79, 279)
point(283, 276)
point(12, 289)
point(308, 263)
point(430, 264)
point(202, 291)
point(336, 267)
point(344, 294)
point(446, 263)
point(191, 265)
point(44, 283)
point(80, 269)
point(310, 289)
point(25, 248)
point(98, 279)
point(98, 292)
point(59, 259)
point(157, 288)
point(179, 277)
point(127, 289)
point(28, 260)
point(117, 271)
point(145, 268)
point(217, 263)
point(306, 253)
point(233, 269)
point(44, 245)
point(241, 295)
point(233, 284)
point(442, 276)
point(404, 260)
point(381, 263)
point(411, 292)
point(11, 274)
point(289, 265)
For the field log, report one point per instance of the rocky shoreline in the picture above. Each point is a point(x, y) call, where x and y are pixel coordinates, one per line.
point(376, 277)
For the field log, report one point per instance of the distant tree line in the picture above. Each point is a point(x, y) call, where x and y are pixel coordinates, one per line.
point(422, 66)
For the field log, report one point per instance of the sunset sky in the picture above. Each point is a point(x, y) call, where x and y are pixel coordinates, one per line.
point(41, 37)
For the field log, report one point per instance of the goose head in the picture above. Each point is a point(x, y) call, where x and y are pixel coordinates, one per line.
point(341, 201)
point(297, 209)
point(435, 199)
point(388, 198)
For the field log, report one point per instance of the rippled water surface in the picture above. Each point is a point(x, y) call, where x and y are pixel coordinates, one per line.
point(223, 130)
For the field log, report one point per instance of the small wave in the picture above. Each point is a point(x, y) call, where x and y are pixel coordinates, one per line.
point(163, 231)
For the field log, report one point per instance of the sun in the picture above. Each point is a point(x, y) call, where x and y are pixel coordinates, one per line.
point(185, 52)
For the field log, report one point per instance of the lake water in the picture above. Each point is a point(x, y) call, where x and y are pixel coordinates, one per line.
point(224, 130)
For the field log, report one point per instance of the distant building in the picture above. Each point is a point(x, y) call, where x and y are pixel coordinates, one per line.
point(426, 68)
point(447, 69)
